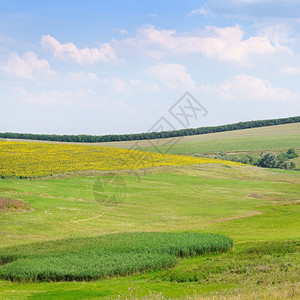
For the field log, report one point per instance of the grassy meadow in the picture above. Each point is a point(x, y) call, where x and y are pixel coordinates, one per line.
point(255, 207)
point(200, 230)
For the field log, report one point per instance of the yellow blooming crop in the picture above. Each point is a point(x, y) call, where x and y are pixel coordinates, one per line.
point(21, 159)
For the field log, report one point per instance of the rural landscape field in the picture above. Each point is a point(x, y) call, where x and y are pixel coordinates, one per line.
point(188, 226)
point(149, 150)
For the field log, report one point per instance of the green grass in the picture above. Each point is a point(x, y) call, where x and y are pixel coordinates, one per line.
point(255, 207)
point(278, 138)
point(178, 199)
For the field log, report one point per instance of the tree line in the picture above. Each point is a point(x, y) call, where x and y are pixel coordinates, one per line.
point(82, 138)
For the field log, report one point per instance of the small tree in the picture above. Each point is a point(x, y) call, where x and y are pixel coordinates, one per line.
point(292, 154)
point(268, 160)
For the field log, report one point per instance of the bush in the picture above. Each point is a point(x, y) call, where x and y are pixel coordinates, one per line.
point(292, 154)
point(268, 160)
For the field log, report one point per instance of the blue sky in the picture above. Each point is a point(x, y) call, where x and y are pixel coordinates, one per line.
point(101, 67)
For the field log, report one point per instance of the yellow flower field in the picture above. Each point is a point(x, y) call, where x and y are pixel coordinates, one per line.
point(25, 160)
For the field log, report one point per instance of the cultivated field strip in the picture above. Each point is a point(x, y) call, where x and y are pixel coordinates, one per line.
point(26, 160)
point(105, 256)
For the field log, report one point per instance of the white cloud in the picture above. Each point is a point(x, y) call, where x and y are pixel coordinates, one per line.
point(82, 77)
point(69, 51)
point(116, 85)
point(27, 66)
point(201, 11)
point(221, 44)
point(173, 76)
point(290, 70)
point(249, 88)
point(82, 96)
point(110, 85)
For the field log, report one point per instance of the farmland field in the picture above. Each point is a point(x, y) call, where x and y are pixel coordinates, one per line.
point(257, 208)
point(28, 160)
point(252, 141)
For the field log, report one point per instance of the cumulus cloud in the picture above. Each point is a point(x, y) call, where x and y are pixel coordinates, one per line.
point(249, 88)
point(222, 44)
point(172, 76)
point(70, 52)
point(27, 66)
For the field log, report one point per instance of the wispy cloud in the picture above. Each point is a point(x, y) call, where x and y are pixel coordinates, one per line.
point(58, 97)
point(152, 15)
point(121, 31)
point(82, 77)
point(256, 8)
point(290, 70)
point(200, 11)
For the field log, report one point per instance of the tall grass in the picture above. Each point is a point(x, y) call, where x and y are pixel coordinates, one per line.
point(105, 256)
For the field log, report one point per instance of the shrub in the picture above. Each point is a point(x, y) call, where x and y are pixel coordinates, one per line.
point(292, 154)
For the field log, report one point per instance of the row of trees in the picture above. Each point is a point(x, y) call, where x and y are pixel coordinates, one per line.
point(149, 135)
point(266, 160)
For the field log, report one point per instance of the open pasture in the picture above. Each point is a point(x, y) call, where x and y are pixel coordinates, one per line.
point(259, 209)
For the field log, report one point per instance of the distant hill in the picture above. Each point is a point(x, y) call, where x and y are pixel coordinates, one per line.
point(150, 135)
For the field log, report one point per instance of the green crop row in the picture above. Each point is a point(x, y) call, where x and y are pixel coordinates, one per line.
point(83, 266)
point(104, 256)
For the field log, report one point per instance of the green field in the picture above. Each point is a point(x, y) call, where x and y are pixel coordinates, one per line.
point(259, 209)
point(275, 138)
point(60, 240)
